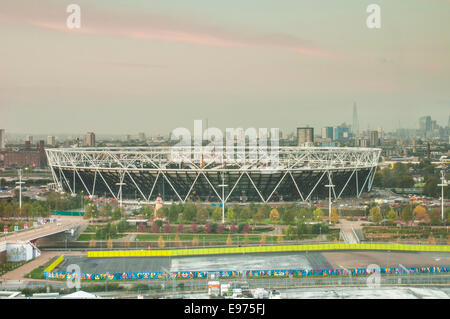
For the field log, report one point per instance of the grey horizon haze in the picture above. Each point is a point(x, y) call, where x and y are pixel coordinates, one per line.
point(151, 66)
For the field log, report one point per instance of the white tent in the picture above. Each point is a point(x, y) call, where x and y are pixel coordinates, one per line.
point(81, 295)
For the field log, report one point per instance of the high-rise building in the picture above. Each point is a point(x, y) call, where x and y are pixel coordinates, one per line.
point(29, 138)
point(425, 123)
point(51, 140)
point(305, 136)
point(374, 140)
point(341, 133)
point(90, 139)
point(2, 138)
point(327, 132)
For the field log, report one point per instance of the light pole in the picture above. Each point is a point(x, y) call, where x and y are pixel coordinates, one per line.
point(329, 202)
point(442, 185)
point(223, 197)
point(20, 188)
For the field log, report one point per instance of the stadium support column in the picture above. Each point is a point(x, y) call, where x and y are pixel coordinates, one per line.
point(120, 188)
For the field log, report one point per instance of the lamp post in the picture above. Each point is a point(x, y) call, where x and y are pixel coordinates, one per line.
point(223, 197)
point(442, 185)
point(329, 202)
point(20, 188)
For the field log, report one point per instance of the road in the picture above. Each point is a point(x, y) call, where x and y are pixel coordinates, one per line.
point(44, 230)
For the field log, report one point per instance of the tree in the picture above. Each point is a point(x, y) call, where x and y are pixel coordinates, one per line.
point(245, 241)
point(280, 238)
point(154, 228)
point(195, 241)
point(304, 213)
point(392, 215)
point(246, 228)
point(177, 241)
point(375, 214)
point(217, 213)
point(91, 211)
point(274, 215)
point(233, 228)
point(208, 228)
point(117, 213)
point(220, 228)
point(246, 213)
point(420, 213)
point(318, 214)
point(263, 239)
point(106, 210)
point(259, 216)
point(230, 215)
point(180, 228)
point(334, 217)
point(202, 215)
point(146, 211)
point(162, 212)
point(161, 243)
point(435, 217)
point(174, 211)
point(229, 240)
point(289, 215)
point(189, 212)
point(407, 215)
point(167, 228)
point(194, 228)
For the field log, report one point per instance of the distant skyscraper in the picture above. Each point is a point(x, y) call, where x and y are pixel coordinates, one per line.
point(374, 140)
point(29, 138)
point(2, 138)
point(355, 127)
point(51, 140)
point(327, 132)
point(425, 123)
point(90, 139)
point(305, 136)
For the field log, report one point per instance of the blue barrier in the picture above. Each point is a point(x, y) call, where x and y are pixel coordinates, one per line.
point(246, 273)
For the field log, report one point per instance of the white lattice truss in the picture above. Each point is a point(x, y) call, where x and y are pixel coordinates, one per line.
point(127, 163)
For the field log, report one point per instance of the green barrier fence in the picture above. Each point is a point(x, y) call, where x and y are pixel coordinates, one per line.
point(265, 249)
point(64, 213)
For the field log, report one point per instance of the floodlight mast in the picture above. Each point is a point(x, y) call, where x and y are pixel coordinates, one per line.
point(329, 202)
point(442, 185)
point(20, 188)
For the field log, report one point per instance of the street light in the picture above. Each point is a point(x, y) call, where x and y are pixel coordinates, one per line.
point(442, 185)
point(20, 188)
point(223, 198)
point(329, 202)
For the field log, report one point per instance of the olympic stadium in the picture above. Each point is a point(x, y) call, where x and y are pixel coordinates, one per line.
point(141, 173)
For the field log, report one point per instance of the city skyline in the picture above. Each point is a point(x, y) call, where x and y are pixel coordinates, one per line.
point(137, 66)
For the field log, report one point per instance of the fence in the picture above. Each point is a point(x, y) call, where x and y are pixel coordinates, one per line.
point(230, 274)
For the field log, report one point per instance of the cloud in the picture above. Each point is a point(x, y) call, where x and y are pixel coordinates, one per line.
point(97, 21)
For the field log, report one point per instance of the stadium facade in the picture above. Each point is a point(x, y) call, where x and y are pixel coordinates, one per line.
point(300, 174)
